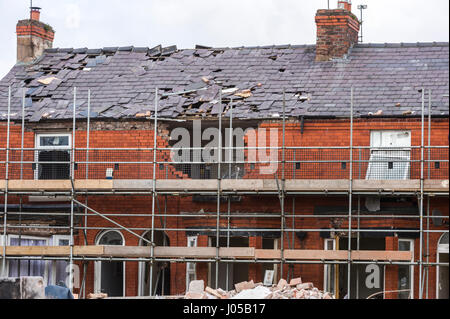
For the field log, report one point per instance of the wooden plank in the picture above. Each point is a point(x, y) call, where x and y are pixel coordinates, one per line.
point(93, 184)
point(127, 251)
point(44, 185)
point(55, 251)
point(207, 252)
point(310, 254)
point(382, 255)
point(191, 252)
point(88, 251)
point(436, 185)
point(237, 252)
point(317, 185)
point(260, 185)
point(386, 185)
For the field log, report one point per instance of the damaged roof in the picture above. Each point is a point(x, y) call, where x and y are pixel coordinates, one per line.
point(122, 80)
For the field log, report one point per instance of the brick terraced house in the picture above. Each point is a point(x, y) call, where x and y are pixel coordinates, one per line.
point(327, 162)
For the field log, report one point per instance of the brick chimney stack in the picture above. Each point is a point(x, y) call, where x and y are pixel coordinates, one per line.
point(33, 37)
point(337, 31)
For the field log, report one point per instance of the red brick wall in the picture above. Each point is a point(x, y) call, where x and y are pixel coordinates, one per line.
point(316, 133)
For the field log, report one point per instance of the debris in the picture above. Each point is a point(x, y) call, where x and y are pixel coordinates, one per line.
point(249, 290)
point(244, 93)
point(147, 114)
point(197, 286)
point(398, 105)
point(195, 295)
point(97, 296)
point(409, 112)
point(47, 80)
point(282, 283)
point(205, 79)
point(230, 90)
point(259, 292)
point(306, 285)
point(379, 112)
point(213, 292)
point(295, 281)
point(244, 285)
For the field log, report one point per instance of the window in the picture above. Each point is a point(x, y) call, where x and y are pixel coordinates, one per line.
point(406, 273)
point(190, 267)
point(30, 267)
point(330, 269)
point(110, 275)
point(52, 148)
point(389, 155)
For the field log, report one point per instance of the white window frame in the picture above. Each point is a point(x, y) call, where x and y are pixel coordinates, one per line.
point(192, 241)
point(46, 262)
point(38, 146)
point(441, 249)
point(328, 266)
point(377, 152)
point(98, 265)
point(411, 267)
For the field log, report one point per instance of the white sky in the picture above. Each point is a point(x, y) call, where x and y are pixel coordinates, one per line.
point(101, 23)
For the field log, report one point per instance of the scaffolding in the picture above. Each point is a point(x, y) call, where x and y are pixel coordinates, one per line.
point(305, 171)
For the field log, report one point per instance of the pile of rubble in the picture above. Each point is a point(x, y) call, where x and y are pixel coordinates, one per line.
point(295, 289)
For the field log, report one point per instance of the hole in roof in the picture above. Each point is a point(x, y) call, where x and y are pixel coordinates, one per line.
point(273, 57)
point(282, 70)
point(217, 70)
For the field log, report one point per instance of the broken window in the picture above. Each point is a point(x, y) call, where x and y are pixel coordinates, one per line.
point(389, 155)
point(53, 148)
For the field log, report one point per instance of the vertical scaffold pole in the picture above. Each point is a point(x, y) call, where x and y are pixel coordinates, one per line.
point(230, 158)
point(421, 195)
point(283, 158)
point(88, 131)
point(72, 176)
point(155, 146)
point(5, 213)
point(21, 173)
point(350, 192)
point(219, 161)
point(428, 197)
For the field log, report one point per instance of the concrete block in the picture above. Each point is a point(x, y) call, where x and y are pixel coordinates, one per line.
point(197, 286)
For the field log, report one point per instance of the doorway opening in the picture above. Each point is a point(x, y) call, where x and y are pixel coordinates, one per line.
point(229, 273)
point(161, 270)
point(110, 275)
point(365, 279)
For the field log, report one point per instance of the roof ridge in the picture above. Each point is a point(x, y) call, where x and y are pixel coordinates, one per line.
point(401, 44)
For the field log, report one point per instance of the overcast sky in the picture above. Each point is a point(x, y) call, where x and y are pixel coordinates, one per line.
point(101, 23)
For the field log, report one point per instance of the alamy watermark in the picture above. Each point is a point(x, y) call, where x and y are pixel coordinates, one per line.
point(262, 146)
